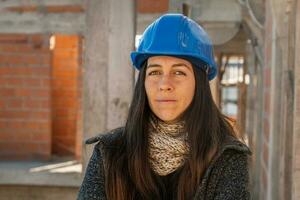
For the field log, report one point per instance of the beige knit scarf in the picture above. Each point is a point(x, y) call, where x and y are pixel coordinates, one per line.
point(168, 147)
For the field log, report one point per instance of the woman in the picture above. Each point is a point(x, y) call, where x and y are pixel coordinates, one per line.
point(176, 144)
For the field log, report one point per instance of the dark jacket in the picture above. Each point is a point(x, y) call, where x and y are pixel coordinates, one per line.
point(226, 178)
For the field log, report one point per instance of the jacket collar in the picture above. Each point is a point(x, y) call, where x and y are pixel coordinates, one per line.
point(235, 144)
point(229, 143)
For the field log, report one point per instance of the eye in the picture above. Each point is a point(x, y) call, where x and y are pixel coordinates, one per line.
point(153, 73)
point(179, 73)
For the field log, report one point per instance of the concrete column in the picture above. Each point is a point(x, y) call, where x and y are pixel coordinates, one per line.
point(296, 114)
point(253, 115)
point(108, 75)
point(120, 72)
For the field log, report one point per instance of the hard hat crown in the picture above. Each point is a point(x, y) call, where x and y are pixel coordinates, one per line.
point(176, 35)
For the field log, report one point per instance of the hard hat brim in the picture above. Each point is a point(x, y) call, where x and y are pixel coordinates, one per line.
point(139, 58)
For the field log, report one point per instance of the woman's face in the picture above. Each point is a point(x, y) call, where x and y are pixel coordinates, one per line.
point(170, 86)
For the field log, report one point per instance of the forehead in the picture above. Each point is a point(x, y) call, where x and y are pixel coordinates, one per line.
point(167, 60)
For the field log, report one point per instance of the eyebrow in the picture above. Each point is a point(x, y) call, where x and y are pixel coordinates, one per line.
point(175, 65)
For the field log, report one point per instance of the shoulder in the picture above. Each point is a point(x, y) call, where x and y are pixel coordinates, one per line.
point(102, 143)
point(93, 185)
point(233, 156)
point(106, 138)
point(233, 152)
point(233, 147)
point(227, 176)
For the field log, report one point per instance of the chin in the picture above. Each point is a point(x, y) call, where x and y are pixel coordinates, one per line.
point(167, 117)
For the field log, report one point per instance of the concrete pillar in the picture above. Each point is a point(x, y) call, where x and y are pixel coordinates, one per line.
point(108, 75)
point(253, 115)
point(296, 114)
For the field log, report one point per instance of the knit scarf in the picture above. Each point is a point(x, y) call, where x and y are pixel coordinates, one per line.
point(168, 147)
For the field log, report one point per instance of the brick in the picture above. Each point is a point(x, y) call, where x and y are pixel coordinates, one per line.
point(66, 41)
point(7, 92)
point(23, 136)
point(63, 130)
point(28, 125)
point(40, 71)
point(3, 70)
point(65, 123)
point(2, 82)
point(12, 114)
point(23, 49)
point(22, 92)
point(68, 54)
point(8, 147)
point(60, 9)
point(15, 104)
point(13, 38)
point(6, 125)
point(44, 149)
point(24, 59)
point(152, 6)
point(63, 149)
point(60, 93)
point(41, 137)
point(69, 114)
point(28, 148)
point(66, 83)
point(38, 38)
point(32, 104)
point(45, 82)
point(32, 82)
point(25, 76)
point(13, 71)
point(69, 64)
point(65, 139)
point(65, 73)
point(11, 59)
point(12, 82)
point(21, 71)
point(44, 92)
point(38, 125)
point(4, 137)
point(65, 93)
point(2, 104)
point(38, 115)
point(45, 104)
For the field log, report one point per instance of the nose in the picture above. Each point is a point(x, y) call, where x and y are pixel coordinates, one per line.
point(165, 84)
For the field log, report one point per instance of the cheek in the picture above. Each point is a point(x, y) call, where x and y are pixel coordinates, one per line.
point(188, 92)
point(149, 89)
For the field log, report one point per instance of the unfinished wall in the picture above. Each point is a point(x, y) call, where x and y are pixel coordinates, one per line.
point(25, 97)
point(66, 94)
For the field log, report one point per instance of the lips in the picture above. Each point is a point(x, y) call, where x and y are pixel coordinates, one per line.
point(165, 100)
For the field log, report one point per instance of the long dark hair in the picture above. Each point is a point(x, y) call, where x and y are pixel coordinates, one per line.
point(127, 169)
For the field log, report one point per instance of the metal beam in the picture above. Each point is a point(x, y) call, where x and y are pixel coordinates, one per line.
point(68, 23)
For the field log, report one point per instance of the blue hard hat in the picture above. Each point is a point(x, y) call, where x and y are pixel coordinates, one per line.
point(179, 36)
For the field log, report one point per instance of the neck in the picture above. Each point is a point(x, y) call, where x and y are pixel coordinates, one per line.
point(173, 128)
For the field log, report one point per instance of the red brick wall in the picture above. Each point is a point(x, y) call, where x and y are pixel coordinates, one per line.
point(66, 95)
point(25, 108)
point(152, 6)
point(40, 96)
